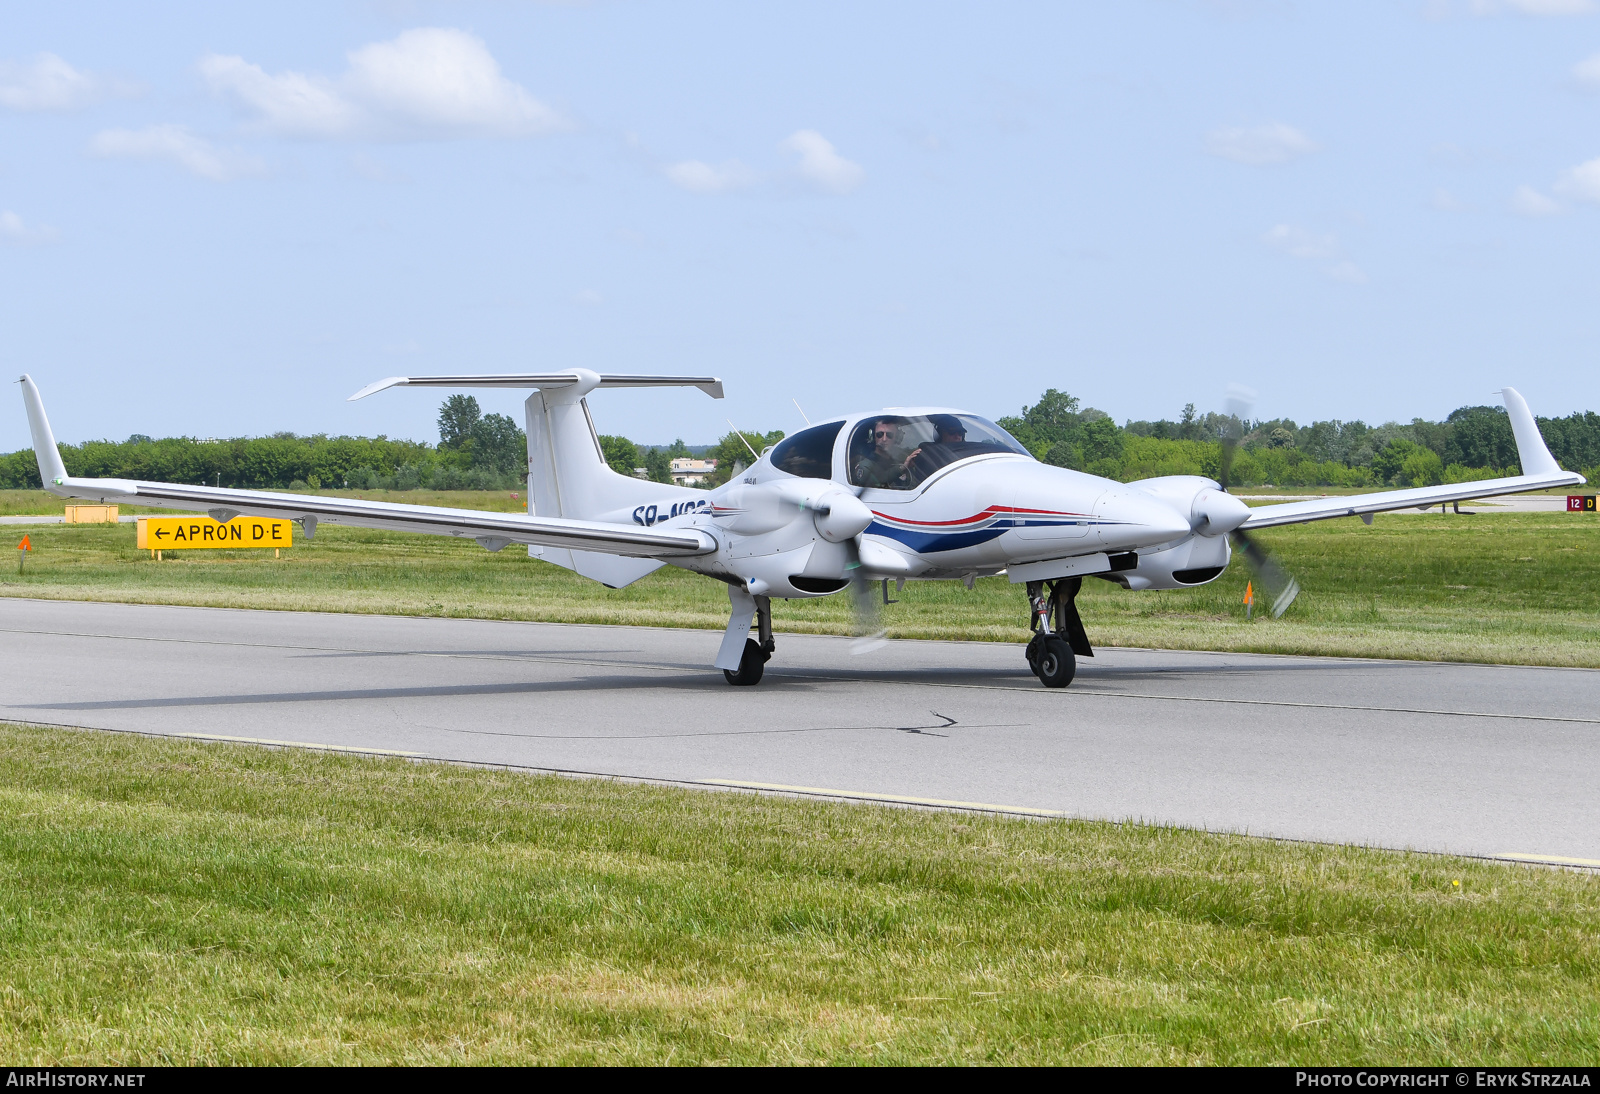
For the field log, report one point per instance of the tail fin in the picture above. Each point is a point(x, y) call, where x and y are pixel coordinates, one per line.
point(51, 469)
point(1532, 453)
point(567, 472)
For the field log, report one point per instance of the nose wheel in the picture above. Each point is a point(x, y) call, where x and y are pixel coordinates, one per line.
point(1058, 634)
point(751, 665)
point(1052, 661)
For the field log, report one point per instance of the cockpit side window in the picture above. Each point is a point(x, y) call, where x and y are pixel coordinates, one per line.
point(899, 451)
point(809, 453)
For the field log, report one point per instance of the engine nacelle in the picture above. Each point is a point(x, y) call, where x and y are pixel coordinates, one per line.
point(754, 509)
point(1195, 561)
point(1211, 510)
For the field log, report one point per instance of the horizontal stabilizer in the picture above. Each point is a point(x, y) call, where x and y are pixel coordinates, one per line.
point(711, 385)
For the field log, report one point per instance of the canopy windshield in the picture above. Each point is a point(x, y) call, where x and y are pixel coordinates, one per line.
point(899, 451)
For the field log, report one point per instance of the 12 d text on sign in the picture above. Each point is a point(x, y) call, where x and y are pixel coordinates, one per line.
point(193, 533)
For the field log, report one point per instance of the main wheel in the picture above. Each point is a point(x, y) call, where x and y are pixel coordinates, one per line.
point(753, 663)
point(1055, 666)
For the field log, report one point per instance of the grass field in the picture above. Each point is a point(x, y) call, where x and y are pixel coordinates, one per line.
point(180, 902)
point(1520, 588)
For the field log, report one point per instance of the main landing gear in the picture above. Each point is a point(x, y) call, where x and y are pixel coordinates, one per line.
point(753, 662)
point(1058, 633)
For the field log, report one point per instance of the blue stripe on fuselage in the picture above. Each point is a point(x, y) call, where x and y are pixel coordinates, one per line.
point(931, 542)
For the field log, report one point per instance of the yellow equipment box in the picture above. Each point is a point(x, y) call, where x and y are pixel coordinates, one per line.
point(199, 533)
point(91, 514)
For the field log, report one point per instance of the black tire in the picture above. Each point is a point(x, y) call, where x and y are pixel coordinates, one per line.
point(751, 666)
point(1056, 665)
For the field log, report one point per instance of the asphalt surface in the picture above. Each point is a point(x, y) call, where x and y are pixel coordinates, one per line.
point(1484, 760)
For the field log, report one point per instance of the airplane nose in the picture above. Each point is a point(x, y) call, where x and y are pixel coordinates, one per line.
point(1127, 521)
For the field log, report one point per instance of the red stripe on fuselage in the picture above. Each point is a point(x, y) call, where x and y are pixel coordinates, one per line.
point(992, 511)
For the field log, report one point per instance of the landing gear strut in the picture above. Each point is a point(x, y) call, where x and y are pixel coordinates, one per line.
point(1058, 633)
point(757, 651)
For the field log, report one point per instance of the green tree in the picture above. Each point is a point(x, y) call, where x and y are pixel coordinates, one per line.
point(622, 455)
point(1389, 461)
point(730, 452)
point(498, 444)
point(1421, 467)
point(658, 462)
point(457, 417)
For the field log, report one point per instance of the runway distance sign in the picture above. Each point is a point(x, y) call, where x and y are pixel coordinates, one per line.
point(1580, 503)
point(201, 533)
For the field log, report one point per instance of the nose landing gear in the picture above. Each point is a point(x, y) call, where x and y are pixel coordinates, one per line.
point(1053, 650)
point(753, 661)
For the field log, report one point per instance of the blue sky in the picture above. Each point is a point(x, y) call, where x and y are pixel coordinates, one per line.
point(217, 220)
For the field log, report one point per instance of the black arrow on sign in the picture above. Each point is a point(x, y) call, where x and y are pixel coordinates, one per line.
point(160, 532)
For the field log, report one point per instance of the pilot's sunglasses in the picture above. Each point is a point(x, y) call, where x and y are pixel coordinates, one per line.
point(883, 434)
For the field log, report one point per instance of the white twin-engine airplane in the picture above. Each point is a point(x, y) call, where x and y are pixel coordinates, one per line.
point(921, 493)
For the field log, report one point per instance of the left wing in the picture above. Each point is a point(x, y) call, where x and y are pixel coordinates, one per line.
point(1540, 471)
point(491, 530)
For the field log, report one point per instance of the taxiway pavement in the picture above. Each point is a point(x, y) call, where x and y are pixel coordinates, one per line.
point(1477, 759)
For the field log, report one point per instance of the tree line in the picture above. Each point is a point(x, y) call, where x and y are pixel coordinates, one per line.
point(489, 451)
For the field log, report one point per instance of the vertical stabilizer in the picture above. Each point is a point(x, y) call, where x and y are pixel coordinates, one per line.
point(1532, 453)
point(51, 469)
point(568, 477)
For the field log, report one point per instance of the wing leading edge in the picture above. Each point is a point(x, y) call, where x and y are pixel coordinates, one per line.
point(1541, 472)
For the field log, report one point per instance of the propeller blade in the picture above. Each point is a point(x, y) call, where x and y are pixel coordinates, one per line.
point(1279, 585)
point(1237, 407)
point(868, 626)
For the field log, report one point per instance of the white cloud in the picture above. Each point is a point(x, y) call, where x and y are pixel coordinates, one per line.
point(15, 233)
point(703, 178)
point(431, 82)
point(1549, 7)
point(1446, 202)
point(821, 165)
point(1581, 182)
point(1348, 272)
point(1587, 71)
point(1529, 202)
point(1299, 243)
point(175, 143)
point(45, 83)
point(1309, 246)
point(1261, 145)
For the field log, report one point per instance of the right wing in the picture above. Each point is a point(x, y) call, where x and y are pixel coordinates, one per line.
point(1540, 472)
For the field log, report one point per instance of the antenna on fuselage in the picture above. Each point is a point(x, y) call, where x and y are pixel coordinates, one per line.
point(796, 403)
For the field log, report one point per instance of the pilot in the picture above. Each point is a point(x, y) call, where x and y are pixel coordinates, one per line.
point(885, 465)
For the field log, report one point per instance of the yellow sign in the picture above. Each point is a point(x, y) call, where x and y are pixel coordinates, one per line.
point(90, 514)
point(198, 533)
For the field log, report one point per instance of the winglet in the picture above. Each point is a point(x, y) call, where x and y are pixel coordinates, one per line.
point(1532, 453)
point(373, 389)
point(51, 469)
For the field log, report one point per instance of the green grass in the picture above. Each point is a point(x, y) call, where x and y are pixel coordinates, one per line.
point(179, 902)
point(1520, 588)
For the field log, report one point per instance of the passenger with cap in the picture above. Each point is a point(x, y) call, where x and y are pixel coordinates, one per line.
point(928, 458)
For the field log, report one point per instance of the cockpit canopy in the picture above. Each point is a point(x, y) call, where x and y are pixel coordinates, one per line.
point(898, 451)
point(914, 447)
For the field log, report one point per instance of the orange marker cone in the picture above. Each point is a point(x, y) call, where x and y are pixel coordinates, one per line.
point(25, 545)
point(1249, 598)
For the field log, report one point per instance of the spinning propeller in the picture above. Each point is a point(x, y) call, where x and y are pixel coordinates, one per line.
point(1279, 585)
